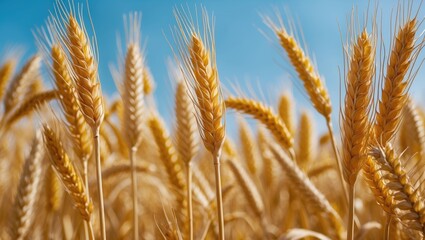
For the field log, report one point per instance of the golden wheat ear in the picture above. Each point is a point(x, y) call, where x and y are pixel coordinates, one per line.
point(355, 121)
point(396, 82)
point(28, 192)
point(311, 80)
point(27, 74)
point(70, 178)
point(84, 65)
point(6, 72)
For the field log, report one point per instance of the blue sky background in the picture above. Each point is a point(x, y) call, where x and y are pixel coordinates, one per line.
point(245, 57)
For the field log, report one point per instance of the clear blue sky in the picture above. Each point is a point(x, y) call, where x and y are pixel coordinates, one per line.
point(245, 56)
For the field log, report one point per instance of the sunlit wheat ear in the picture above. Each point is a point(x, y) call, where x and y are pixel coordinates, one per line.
point(412, 131)
point(29, 105)
point(6, 71)
point(186, 142)
point(248, 146)
point(168, 154)
point(75, 122)
point(287, 111)
point(311, 80)
point(27, 74)
point(67, 173)
point(305, 140)
point(305, 188)
point(199, 68)
point(408, 204)
point(396, 82)
point(28, 192)
point(266, 116)
point(85, 68)
point(355, 121)
point(132, 94)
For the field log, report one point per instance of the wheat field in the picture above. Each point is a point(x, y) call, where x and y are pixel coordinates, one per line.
point(75, 164)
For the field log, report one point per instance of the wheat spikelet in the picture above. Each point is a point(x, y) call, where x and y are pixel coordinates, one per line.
point(394, 93)
point(248, 147)
point(6, 72)
point(186, 142)
point(76, 125)
point(266, 116)
point(305, 140)
point(286, 111)
point(85, 68)
point(28, 189)
point(307, 190)
point(19, 83)
point(408, 205)
point(412, 131)
point(357, 104)
point(30, 104)
point(313, 85)
point(167, 153)
point(248, 187)
point(132, 95)
point(67, 173)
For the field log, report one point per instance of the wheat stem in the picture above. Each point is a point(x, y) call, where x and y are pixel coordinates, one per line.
point(387, 227)
point(99, 183)
point(189, 199)
point(338, 161)
point(133, 151)
point(350, 230)
point(216, 158)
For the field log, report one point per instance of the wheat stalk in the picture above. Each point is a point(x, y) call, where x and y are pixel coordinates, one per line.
point(28, 189)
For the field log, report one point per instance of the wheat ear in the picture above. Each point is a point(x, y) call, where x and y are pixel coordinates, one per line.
point(148, 82)
point(19, 83)
point(355, 124)
point(305, 140)
point(28, 189)
point(287, 111)
point(248, 147)
point(168, 156)
point(75, 122)
point(306, 189)
point(394, 93)
point(186, 142)
point(89, 96)
point(6, 71)
point(266, 116)
point(28, 105)
point(407, 204)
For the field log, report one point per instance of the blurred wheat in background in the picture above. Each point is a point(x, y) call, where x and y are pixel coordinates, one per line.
point(76, 164)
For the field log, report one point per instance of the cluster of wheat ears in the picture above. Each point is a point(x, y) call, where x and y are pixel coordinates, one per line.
point(74, 167)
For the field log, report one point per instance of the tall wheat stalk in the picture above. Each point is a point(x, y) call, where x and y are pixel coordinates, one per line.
point(197, 54)
point(355, 125)
point(89, 95)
